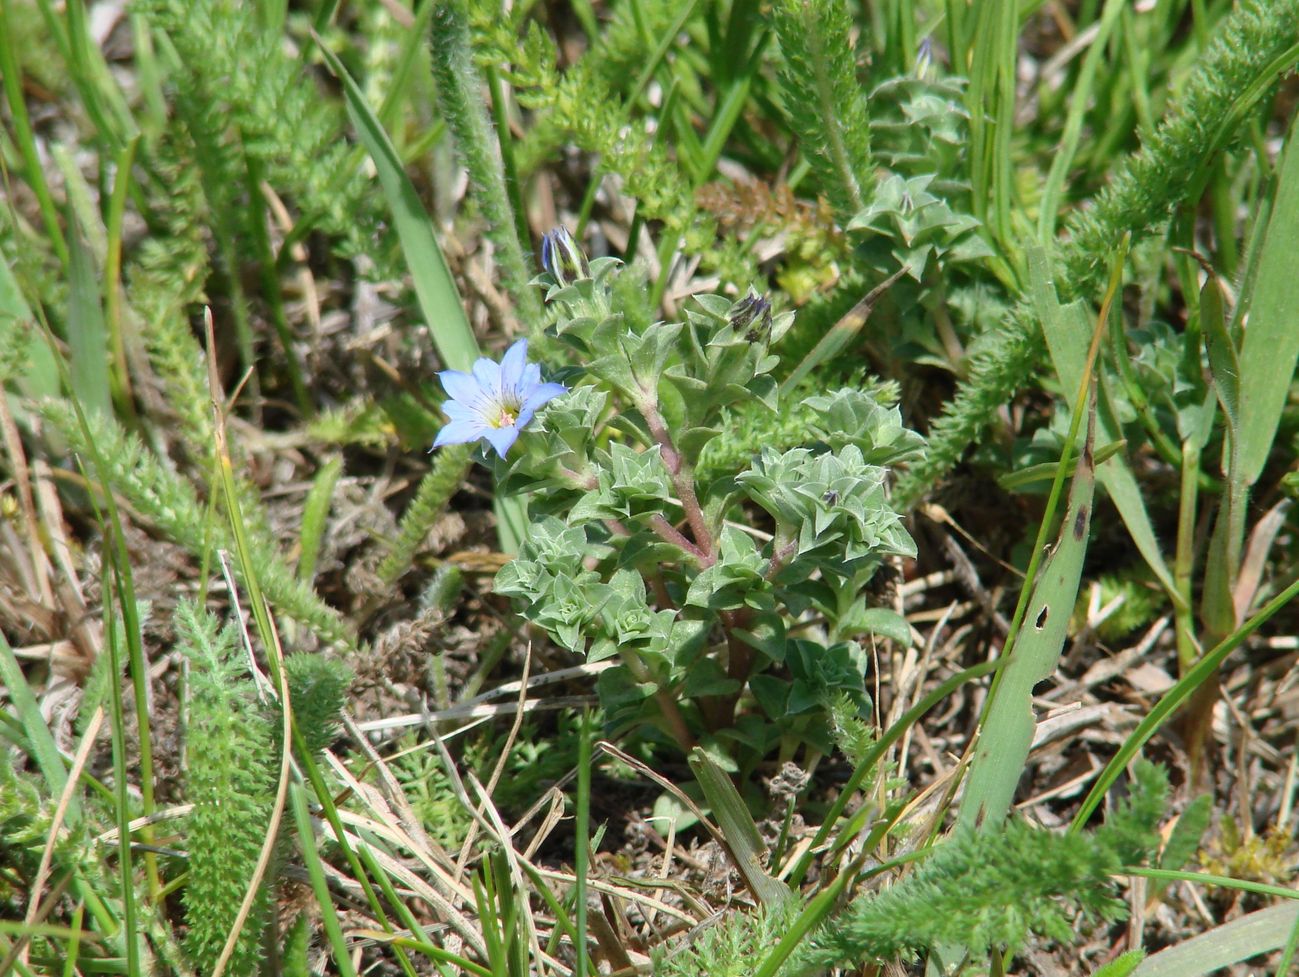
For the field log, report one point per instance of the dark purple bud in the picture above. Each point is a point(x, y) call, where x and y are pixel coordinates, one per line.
point(561, 256)
point(752, 313)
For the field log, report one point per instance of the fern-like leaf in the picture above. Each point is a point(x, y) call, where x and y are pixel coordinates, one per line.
point(823, 100)
point(231, 783)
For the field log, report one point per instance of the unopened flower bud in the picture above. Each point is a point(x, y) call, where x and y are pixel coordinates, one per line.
point(561, 256)
point(752, 313)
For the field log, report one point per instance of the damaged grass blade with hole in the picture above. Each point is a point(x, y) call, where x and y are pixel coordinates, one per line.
point(1007, 732)
point(1041, 622)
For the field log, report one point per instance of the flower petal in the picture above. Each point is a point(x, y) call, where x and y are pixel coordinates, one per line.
point(501, 438)
point(457, 411)
point(531, 377)
point(488, 375)
point(461, 432)
point(542, 393)
point(461, 387)
point(513, 366)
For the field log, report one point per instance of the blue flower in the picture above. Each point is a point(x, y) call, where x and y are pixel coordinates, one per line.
point(496, 401)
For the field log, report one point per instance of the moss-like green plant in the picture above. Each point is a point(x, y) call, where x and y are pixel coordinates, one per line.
point(231, 781)
point(318, 691)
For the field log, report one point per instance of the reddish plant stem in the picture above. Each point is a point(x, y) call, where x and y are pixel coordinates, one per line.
point(739, 658)
point(739, 652)
point(683, 479)
point(782, 549)
point(670, 534)
point(582, 480)
point(655, 578)
point(667, 702)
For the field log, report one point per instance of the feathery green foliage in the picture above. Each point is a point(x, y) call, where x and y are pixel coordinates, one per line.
point(459, 97)
point(1245, 57)
point(991, 888)
point(823, 99)
point(239, 73)
point(23, 822)
point(582, 105)
point(166, 500)
point(231, 777)
point(166, 279)
point(729, 948)
point(616, 57)
point(1168, 171)
point(318, 692)
point(435, 489)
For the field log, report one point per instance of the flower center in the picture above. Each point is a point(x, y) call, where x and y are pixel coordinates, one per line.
point(507, 414)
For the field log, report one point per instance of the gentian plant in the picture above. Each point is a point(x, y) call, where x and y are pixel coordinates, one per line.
point(735, 604)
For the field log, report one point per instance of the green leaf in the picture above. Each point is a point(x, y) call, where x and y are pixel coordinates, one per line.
point(887, 623)
point(737, 827)
point(1270, 349)
point(1007, 732)
point(1066, 330)
point(39, 740)
point(1045, 472)
point(1247, 936)
point(1122, 965)
point(1223, 361)
point(315, 515)
point(1222, 560)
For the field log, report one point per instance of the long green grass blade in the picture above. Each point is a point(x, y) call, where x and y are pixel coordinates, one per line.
point(33, 168)
point(1007, 732)
point(439, 299)
point(1247, 936)
point(1270, 349)
point(1066, 329)
point(315, 514)
point(39, 740)
point(737, 827)
point(87, 334)
point(319, 885)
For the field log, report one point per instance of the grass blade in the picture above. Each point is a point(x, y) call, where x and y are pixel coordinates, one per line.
point(87, 335)
point(1007, 732)
point(1240, 939)
point(1064, 327)
point(736, 824)
point(1270, 348)
point(319, 886)
point(439, 300)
